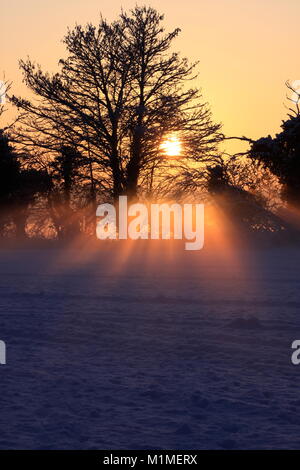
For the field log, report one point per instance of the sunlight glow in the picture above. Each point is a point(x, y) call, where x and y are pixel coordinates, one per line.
point(171, 146)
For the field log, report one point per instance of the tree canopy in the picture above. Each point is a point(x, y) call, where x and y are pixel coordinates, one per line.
point(118, 93)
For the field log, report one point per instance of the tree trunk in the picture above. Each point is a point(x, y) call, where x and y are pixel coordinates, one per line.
point(117, 176)
point(134, 164)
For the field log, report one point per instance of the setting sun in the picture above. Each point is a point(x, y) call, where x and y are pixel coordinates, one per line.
point(171, 146)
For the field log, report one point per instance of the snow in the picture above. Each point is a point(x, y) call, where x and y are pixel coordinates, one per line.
point(157, 349)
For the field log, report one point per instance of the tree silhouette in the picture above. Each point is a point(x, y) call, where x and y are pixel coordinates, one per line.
point(9, 173)
point(281, 155)
point(118, 93)
point(65, 172)
point(18, 189)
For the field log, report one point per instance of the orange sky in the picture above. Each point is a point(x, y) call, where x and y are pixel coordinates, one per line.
point(247, 49)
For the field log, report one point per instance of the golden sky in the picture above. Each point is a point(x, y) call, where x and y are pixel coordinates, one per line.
point(247, 49)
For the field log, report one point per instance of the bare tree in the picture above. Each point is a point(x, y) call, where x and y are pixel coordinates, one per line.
point(119, 92)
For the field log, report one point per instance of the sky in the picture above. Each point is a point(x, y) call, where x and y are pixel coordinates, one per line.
point(247, 50)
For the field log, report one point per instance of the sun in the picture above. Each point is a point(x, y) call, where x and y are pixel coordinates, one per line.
point(171, 146)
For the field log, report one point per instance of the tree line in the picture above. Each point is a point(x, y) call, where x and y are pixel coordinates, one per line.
point(94, 130)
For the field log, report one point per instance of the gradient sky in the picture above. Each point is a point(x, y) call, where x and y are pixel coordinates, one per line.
point(247, 49)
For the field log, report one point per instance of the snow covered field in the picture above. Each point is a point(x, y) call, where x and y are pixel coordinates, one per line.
point(149, 349)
